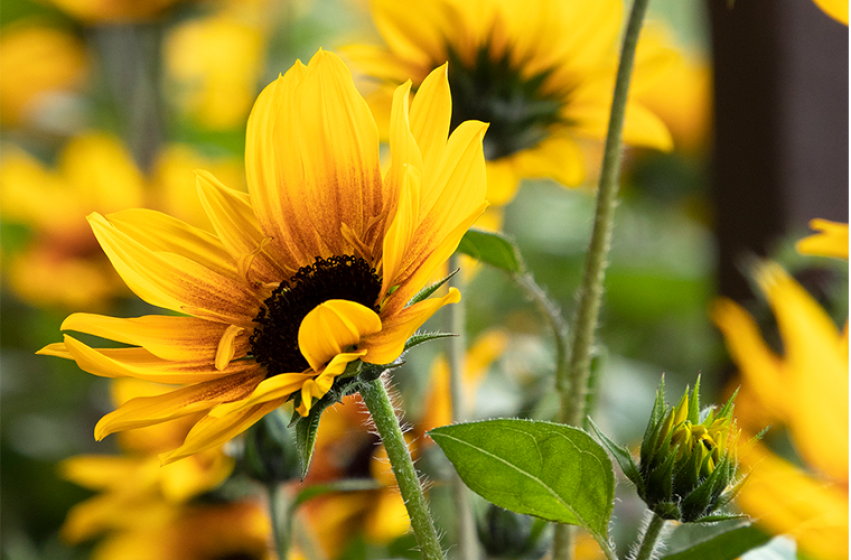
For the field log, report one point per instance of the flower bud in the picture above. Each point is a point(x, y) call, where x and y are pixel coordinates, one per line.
point(505, 534)
point(688, 462)
point(269, 454)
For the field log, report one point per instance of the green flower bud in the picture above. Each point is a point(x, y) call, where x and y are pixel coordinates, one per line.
point(687, 466)
point(688, 458)
point(505, 534)
point(269, 455)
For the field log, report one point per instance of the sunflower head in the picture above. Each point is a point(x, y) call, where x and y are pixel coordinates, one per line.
point(316, 276)
point(688, 458)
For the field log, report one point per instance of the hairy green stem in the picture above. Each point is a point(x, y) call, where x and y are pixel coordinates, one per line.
point(280, 514)
point(378, 402)
point(573, 386)
point(457, 356)
point(651, 536)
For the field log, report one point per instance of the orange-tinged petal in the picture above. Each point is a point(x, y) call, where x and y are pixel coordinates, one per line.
point(227, 346)
point(817, 372)
point(831, 241)
point(332, 327)
point(145, 411)
point(386, 345)
point(172, 281)
point(315, 144)
point(211, 431)
point(138, 363)
point(399, 236)
point(170, 338)
point(236, 225)
point(275, 388)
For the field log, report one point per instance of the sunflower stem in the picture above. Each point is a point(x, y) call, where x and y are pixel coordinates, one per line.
point(573, 386)
point(651, 536)
point(467, 540)
point(280, 514)
point(378, 403)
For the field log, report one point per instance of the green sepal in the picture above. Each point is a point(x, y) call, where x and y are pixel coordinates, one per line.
point(430, 289)
point(622, 456)
point(718, 517)
point(419, 338)
point(694, 403)
point(349, 485)
point(492, 248)
point(306, 427)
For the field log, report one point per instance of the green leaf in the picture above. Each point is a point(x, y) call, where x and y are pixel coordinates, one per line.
point(556, 472)
point(726, 540)
point(622, 456)
point(349, 485)
point(494, 249)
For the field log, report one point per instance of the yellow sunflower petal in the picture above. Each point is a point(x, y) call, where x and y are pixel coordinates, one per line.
point(415, 31)
point(761, 369)
point(837, 9)
point(831, 241)
point(386, 345)
point(145, 411)
point(227, 346)
point(274, 388)
point(138, 363)
point(236, 225)
point(784, 499)
point(159, 232)
point(503, 180)
point(172, 281)
point(97, 472)
point(170, 338)
point(399, 235)
point(332, 327)
point(817, 372)
point(558, 157)
point(211, 431)
point(316, 388)
point(314, 143)
point(431, 112)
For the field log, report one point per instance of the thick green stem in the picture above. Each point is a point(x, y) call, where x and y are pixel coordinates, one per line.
point(573, 386)
point(378, 402)
point(457, 357)
point(651, 535)
point(280, 514)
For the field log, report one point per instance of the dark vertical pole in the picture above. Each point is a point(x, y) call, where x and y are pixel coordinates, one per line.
point(781, 130)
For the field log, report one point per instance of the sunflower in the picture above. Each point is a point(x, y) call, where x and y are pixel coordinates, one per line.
point(541, 73)
point(313, 270)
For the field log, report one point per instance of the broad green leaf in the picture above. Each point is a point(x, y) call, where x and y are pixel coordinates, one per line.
point(552, 471)
point(492, 248)
point(726, 540)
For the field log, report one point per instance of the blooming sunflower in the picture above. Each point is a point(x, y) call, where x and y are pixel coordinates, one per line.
point(314, 269)
point(541, 73)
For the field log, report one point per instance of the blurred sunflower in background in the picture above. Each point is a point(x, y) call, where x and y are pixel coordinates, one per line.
point(315, 270)
point(541, 74)
point(806, 392)
point(143, 510)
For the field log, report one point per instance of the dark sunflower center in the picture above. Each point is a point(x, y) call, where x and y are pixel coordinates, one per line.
point(494, 90)
point(275, 340)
